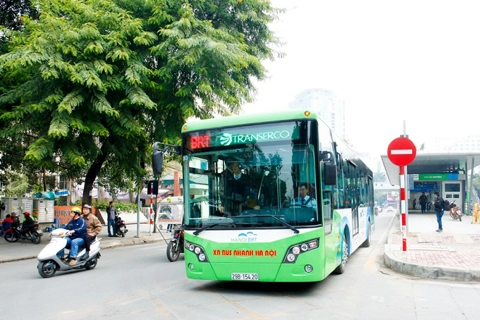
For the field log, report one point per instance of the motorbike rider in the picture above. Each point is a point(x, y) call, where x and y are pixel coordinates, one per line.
point(93, 225)
point(27, 224)
point(16, 221)
point(6, 223)
point(77, 231)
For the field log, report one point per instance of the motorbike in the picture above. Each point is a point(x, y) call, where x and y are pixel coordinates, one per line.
point(33, 234)
point(455, 211)
point(50, 260)
point(120, 226)
point(175, 246)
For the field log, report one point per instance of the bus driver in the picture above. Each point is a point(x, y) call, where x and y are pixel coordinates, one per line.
point(303, 199)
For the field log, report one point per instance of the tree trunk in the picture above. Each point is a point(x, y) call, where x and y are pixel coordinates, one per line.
point(91, 176)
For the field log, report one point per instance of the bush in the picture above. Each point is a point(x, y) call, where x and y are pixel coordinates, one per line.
point(120, 206)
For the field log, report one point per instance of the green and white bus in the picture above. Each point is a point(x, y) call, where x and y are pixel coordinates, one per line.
point(259, 230)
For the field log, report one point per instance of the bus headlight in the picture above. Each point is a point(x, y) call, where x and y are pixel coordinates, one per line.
point(297, 249)
point(197, 250)
point(291, 257)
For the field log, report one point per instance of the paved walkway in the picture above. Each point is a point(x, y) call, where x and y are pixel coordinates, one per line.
point(453, 254)
point(144, 234)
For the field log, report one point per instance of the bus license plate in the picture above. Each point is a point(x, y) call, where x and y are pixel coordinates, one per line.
point(245, 276)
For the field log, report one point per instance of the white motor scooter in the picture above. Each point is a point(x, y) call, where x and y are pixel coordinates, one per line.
point(50, 262)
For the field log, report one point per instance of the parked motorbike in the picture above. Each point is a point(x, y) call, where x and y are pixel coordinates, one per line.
point(175, 246)
point(455, 211)
point(50, 260)
point(32, 234)
point(121, 227)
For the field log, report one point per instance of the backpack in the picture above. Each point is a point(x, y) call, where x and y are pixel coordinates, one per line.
point(446, 205)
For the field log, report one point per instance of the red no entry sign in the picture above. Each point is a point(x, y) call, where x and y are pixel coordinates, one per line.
point(402, 151)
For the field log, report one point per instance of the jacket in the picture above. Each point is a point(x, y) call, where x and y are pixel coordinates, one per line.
point(93, 224)
point(438, 204)
point(28, 222)
point(7, 224)
point(79, 227)
point(111, 213)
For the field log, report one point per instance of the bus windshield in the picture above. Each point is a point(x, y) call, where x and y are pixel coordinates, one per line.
point(256, 176)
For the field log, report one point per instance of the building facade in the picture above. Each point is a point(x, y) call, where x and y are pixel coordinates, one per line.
point(326, 104)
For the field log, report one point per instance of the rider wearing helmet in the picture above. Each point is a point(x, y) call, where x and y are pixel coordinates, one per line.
point(28, 223)
point(77, 228)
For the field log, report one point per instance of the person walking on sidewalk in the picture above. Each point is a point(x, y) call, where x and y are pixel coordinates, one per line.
point(438, 206)
point(111, 213)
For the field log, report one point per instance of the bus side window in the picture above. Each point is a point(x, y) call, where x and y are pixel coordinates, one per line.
point(327, 205)
point(327, 208)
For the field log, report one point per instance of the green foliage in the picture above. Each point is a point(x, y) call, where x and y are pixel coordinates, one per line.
point(120, 206)
point(17, 187)
point(96, 82)
point(476, 183)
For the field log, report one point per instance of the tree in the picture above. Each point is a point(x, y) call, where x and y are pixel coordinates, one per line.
point(10, 17)
point(476, 183)
point(98, 81)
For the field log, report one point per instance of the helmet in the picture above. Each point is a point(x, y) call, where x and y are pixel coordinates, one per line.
point(26, 213)
point(76, 210)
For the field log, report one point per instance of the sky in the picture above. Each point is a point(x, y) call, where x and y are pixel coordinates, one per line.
point(400, 66)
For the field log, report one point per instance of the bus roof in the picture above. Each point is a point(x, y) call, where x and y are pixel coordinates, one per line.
point(255, 118)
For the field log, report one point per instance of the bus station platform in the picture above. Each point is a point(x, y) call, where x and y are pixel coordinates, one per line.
point(453, 254)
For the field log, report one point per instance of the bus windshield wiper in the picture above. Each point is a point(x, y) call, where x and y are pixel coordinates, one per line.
point(276, 218)
point(196, 232)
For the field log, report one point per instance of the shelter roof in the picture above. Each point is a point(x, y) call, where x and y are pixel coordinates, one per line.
point(433, 163)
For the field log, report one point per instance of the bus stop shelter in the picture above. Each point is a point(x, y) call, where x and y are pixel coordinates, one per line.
point(450, 174)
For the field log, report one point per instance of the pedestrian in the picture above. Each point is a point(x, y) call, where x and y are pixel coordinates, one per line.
point(94, 226)
point(438, 206)
point(414, 203)
point(111, 214)
point(423, 202)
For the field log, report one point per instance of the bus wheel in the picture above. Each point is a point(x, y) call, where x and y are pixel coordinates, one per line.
point(341, 268)
point(366, 243)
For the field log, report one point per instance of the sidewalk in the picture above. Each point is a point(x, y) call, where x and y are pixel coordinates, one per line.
point(453, 254)
point(27, 250)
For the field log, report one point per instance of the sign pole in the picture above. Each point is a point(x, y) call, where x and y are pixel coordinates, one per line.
point(402, 152)
point(150, 221)
point(402, 207)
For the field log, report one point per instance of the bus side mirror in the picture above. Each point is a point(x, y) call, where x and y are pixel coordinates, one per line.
point(326, 156)
point(157, 160)
point(330, 174)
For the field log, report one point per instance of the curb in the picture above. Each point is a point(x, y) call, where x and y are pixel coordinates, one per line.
point(427, 272)
point(122, 242)
point(424, 271)
point(129, 242)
